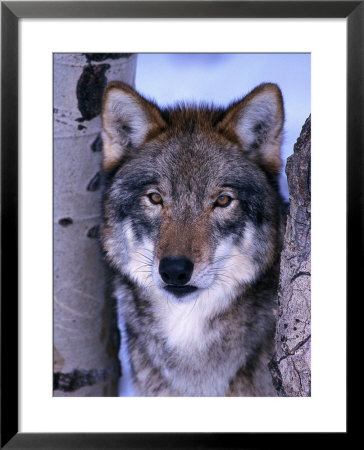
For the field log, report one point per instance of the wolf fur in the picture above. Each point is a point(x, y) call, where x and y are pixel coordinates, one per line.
point(192, 196)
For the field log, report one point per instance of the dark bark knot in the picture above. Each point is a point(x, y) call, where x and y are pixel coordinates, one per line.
point(90, 89)
point(65, 221)
point(94, 183)
point(98, 57)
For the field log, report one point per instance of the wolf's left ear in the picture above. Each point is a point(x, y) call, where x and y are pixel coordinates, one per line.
point(257, 122)
point(128, 119)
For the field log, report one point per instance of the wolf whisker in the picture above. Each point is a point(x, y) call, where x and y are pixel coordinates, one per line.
point(147, 263)
point(147, 250)
point(140, 267)
point(145, 256)
point(223, 258)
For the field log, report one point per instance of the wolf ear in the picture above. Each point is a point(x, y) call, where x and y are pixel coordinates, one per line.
point(127, 119)
point(257, 122)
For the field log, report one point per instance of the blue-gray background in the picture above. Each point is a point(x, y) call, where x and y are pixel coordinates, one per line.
point(220, 78)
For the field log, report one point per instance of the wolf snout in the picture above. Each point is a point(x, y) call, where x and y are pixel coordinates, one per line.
point(176, 270)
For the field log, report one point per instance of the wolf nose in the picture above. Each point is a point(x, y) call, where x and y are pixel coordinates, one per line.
point(176, 270)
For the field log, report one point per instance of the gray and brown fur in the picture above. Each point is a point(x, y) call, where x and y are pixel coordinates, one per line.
point(216, 340)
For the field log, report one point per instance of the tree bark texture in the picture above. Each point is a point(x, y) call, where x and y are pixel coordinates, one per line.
point(291, 365)
point(85, 329)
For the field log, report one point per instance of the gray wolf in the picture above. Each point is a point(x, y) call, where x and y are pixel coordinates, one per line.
point(193, 225)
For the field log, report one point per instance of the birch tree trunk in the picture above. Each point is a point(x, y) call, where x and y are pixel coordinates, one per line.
point(291, 365)
point(85, 330)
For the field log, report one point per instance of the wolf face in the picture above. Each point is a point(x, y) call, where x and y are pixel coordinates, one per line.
point(191, 210)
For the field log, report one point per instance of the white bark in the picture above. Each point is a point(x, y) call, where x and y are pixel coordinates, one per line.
point(85, 333)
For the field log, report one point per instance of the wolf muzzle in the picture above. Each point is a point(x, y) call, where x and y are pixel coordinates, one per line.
point(176, 272)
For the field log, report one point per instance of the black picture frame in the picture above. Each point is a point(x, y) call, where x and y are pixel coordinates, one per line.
point(11, 12)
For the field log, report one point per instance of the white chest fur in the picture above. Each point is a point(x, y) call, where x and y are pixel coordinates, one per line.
point(186, 325)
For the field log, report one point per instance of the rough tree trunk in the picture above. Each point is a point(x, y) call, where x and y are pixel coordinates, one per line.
point(291, 365)
point(85, 333)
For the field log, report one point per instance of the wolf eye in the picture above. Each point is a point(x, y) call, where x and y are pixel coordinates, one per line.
point(223, 200)
point(155, 198)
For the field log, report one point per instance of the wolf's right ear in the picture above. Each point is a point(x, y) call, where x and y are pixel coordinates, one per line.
point(127, 120)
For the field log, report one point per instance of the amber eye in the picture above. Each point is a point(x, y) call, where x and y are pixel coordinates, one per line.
point(155, 198)
point(223, 200)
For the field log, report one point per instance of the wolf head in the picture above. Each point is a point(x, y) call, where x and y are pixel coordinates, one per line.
point(191, 207)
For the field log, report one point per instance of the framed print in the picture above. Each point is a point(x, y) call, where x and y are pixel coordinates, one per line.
point(32, 415)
